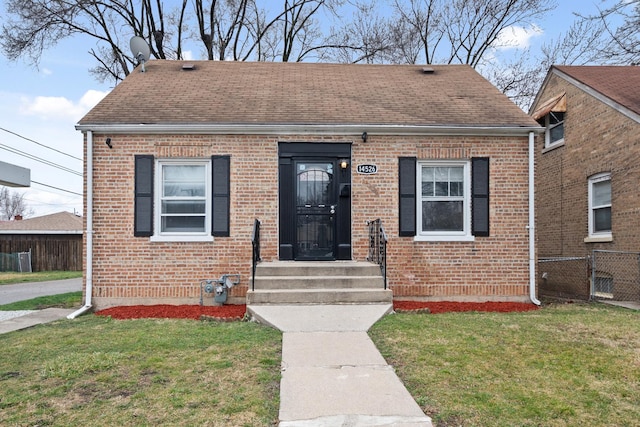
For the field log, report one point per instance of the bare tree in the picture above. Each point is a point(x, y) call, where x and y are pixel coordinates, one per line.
point(35, 25)
point(422, 26)
point(12, 204)
point(619, 29)
point(463, 31)
point(581, 44)
point(220, 25)
point(590, 40)
point(366, 39)
point(226, 29)
point(406, 42)
point(521, 77)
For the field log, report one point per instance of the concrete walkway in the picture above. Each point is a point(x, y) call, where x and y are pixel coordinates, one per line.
point(332, 373)
point(27, 319)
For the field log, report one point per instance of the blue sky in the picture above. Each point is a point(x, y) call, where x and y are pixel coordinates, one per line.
point(44, 104)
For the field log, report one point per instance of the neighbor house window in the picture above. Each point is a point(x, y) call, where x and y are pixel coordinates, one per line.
point(603, 286)
point(443, 200)
point(600, 205)
point(554, 133)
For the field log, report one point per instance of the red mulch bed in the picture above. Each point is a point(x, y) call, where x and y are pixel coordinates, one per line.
point(237, 312)
point(197, 312)
point(436, 307)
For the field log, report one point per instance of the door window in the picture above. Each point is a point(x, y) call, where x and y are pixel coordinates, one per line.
point(315, 207)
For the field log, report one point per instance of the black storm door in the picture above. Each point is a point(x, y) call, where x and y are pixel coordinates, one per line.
point(316, 204)
point(315, 201)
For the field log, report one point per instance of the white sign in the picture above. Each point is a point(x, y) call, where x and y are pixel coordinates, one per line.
point(367, 169)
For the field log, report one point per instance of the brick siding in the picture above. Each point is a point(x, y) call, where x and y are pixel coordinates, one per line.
point(597, 139)
point(133, 270)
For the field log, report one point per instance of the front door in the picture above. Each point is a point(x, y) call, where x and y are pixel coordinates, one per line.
point(315, 201)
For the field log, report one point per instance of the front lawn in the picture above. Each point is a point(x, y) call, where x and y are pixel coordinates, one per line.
point(99, 371)
point(563, 365)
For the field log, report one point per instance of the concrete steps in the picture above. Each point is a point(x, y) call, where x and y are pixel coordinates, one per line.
point(337, 282)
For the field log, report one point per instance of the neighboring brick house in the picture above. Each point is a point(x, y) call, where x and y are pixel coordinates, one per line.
point(587, 169)
point(182, 158)
point(54, 240)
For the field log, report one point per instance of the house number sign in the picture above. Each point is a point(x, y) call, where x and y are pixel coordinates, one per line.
point(367, 169)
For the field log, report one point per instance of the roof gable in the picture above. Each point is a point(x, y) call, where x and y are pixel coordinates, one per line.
point(619, 84)
point(57, 223)
point(261, 93)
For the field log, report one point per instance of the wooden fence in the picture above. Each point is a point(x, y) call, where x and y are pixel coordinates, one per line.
point(49, 252)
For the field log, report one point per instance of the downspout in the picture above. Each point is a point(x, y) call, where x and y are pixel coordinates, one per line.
point(532, 222)
point(89, 262)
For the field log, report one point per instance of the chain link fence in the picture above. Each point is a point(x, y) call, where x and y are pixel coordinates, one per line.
point(615, 275)
point(564, 277)
point(17, 261)
point(605, 275)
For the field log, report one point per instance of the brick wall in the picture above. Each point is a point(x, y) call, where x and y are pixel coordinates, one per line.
point(597, 139)
point(133, 270)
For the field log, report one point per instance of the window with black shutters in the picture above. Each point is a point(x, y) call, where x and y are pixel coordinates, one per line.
point(444, 200)
point(182, 199)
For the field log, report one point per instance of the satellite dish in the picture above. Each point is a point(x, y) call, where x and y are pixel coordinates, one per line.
point(140, 50)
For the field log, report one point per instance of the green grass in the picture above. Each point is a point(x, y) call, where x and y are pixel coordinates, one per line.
point(7, 278)
point(563, 365)
point(99, 371)
point(68, 300)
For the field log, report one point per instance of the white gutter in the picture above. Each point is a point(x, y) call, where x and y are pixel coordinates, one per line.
point(305, 129)
point(531, 226)
point(89, 262)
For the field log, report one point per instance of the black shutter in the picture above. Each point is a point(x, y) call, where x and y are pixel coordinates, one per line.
point(480, 196)
point(407, 193)
point(143, 203)
point(221, 166)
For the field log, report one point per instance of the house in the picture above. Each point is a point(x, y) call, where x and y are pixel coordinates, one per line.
point(587, 173)
point(55, 240)
point(182, 158)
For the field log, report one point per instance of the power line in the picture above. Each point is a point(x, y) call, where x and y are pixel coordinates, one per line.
point(33, 202)
point(39, 159)
point(42, 145)
point(57, 188)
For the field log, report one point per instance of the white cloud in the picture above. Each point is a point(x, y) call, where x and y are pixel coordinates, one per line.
point(515, 37)
point(59, 107)
point(187, 55)
point(91, 98)
point(46, 72)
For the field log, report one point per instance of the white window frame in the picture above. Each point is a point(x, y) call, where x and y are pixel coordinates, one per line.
point(547, 132)
point(593, 180)
point(445, 236)
point(199, 236)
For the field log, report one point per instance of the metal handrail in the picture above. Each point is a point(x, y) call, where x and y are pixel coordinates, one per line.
point(255, 257)
point(378, 246)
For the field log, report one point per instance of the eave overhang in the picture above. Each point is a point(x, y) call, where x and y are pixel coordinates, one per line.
point(43, 232)
point(302, 129)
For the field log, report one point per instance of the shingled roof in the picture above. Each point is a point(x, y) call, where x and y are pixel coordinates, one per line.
point(618, 83)
point(214, 92)
point(57, 223)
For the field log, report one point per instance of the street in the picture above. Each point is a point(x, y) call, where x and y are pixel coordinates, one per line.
point(25, 291)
